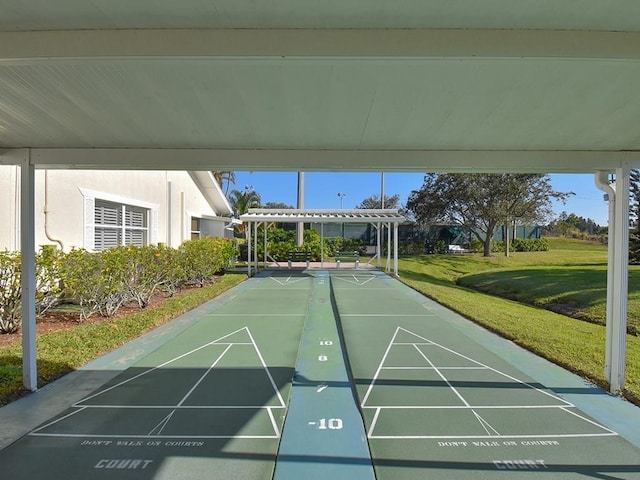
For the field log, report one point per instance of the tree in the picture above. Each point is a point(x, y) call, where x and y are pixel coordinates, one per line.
point(224, 176)
point(570, 224)
point(276, 205)
point(480, 202)
point(634, 217)
point(242, 200)
point(374, 202)
point(634, 198)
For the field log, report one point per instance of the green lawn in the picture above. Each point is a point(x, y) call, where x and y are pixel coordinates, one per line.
point(572, 272)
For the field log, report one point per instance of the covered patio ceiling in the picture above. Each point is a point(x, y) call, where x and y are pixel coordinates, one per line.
point(352, 85)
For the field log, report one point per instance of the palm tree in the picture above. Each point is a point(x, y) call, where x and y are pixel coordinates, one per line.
point(224, 176)
point(242, 200)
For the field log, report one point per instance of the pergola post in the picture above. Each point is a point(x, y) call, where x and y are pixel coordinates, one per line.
point(255, 245)
point(249, 249)
point(395, 249)
point(388, 269)
point(28, 272)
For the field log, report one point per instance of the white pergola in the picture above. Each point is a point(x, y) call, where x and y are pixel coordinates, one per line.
point(376, 217)
point(539, 86)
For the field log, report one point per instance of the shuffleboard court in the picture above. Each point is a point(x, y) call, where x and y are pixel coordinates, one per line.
point(439, 405)
point(326, 374)
point(210, 403)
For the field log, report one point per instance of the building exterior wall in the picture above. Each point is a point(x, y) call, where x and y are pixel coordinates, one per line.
point(67, 196)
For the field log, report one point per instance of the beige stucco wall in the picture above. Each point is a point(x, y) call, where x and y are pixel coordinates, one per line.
point(172, 193)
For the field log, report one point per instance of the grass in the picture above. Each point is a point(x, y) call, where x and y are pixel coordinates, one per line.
point(573, 344)
point(63, 351)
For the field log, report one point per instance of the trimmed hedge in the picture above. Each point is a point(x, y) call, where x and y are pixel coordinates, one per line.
point(104, 281)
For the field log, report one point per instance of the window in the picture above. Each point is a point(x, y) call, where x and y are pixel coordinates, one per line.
point(117, 224)
point(195, 228)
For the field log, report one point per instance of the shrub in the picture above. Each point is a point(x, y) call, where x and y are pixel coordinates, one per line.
point(96, 280)
point(201, 259)
point(10, 291)
point(148, 268)
point(47, 287)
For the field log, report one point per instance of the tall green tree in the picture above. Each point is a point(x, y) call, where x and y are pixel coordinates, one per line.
point(634, 217)
point(634, 198)
point(481, 202)
point(241, 201)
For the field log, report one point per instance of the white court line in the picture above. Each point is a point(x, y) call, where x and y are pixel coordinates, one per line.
point(486, 425)
point(289, 281)
point(273, 422)
point(492, 369)
point(202, 377)
point(465, 407)
point(175, 407)
point(588, 420)
point(375, 376)
point(157, 367)
point(57, 420)
point(163, 423)
point(373, 423)
point(357, 280)
point(491, 431)
point(197, 437)
point(431, 368)
point(491, 437)
point(458, 394)
point(273, 383)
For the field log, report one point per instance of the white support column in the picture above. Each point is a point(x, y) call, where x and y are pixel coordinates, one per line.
point(620, 280)
point(395, 249)
point(27, 249)
point(249, 249)
point(602, 182)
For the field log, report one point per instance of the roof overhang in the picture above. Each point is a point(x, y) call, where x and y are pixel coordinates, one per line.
point(491, 86)
point(211, 191)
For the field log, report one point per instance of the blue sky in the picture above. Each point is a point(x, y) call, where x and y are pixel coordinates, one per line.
point(322, 188)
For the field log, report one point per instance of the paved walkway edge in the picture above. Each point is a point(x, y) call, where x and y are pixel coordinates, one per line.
point(323, 435)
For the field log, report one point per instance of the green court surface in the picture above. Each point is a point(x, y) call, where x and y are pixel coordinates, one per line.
point(304, 374)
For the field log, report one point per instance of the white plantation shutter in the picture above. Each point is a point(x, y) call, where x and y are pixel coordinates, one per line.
point(111, 220)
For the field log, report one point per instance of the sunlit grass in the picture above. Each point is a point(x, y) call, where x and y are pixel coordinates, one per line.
point(573, 344)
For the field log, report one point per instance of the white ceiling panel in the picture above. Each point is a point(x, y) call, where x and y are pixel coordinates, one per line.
point(607, 15)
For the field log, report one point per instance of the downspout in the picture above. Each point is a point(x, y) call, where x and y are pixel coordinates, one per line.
point(46, 211)
point(602, 182)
